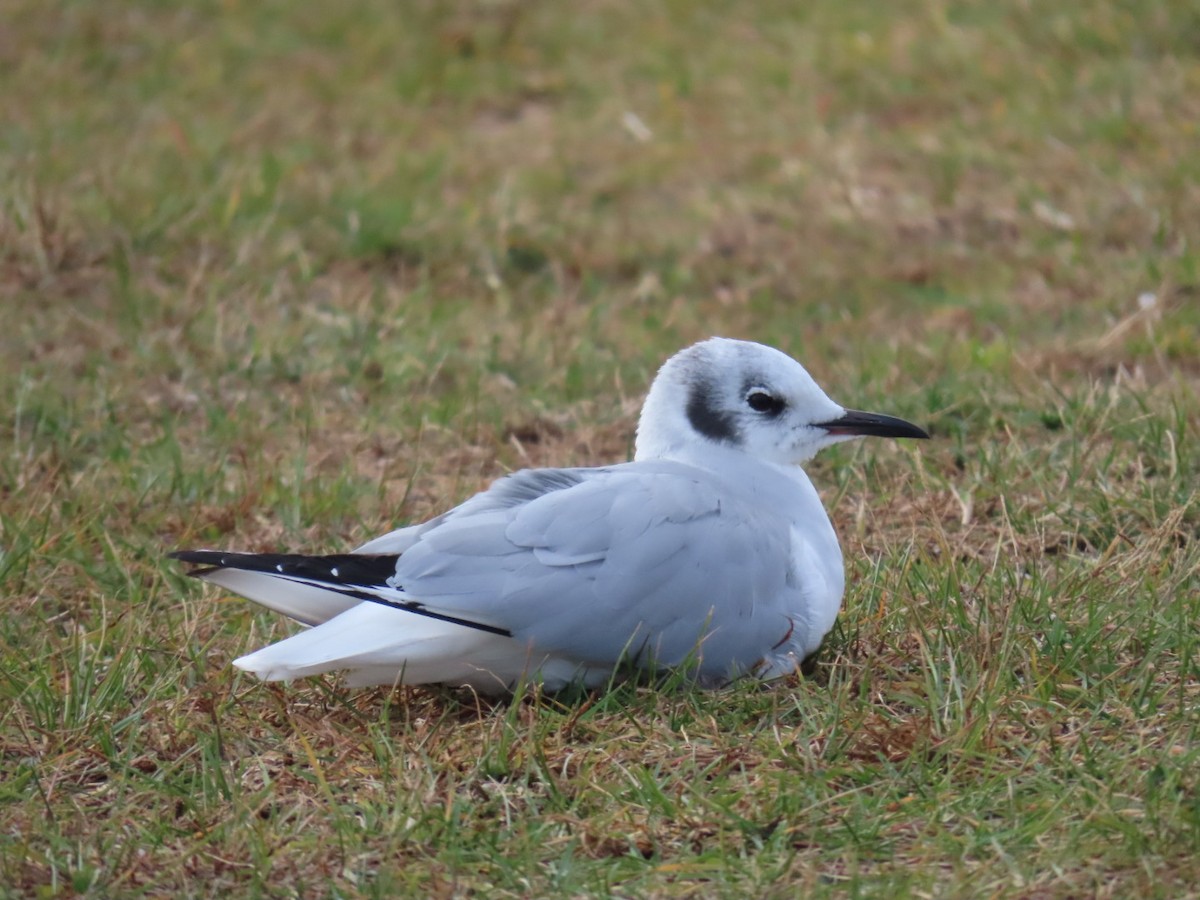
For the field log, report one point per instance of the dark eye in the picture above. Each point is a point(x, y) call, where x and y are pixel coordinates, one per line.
point(761, 401)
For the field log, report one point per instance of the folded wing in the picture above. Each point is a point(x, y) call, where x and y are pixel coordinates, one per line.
point(559, 571)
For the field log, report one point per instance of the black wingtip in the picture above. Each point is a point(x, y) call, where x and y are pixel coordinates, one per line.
point(200, 557)
point(349, 574)
point(337, 568)
point(209, 561)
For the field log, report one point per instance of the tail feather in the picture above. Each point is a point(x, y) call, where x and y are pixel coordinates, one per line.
point(362, 623)
point(308, 604)
point(309, 589)
point(377, 645)
point(347, 578)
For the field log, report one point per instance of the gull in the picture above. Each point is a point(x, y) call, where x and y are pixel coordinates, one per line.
point(709, 553)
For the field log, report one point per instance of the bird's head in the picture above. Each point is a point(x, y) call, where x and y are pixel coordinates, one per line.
point(752, 398)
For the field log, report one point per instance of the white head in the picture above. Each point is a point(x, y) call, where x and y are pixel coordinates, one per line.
point(752, 398)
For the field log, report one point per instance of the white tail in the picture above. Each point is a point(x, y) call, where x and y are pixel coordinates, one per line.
point(378, 645)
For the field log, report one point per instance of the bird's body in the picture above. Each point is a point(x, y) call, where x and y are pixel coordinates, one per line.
point(710, 551)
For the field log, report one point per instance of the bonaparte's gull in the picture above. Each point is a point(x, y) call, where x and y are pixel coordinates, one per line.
point(710, 551)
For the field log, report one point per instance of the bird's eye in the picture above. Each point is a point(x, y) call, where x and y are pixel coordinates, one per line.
point(761, 401)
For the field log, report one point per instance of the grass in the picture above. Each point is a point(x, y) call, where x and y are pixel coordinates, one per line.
point(282, 278)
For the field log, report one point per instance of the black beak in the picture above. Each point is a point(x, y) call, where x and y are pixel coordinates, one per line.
point(875, 424)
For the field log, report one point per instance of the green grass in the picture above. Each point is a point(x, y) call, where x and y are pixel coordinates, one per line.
point(278, 276)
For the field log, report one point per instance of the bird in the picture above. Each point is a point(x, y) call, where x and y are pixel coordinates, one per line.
point(710, 553)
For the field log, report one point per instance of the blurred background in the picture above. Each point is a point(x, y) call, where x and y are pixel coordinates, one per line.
point(435, 211)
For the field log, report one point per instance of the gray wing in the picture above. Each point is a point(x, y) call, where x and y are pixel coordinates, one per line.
point(596, 563)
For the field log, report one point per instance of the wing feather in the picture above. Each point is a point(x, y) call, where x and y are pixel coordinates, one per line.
point(577, 566)
point(661, 556)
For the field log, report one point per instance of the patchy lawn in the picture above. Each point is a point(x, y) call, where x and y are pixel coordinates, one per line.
point(282, 277)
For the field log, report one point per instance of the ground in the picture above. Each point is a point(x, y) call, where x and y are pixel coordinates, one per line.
point(283, 276)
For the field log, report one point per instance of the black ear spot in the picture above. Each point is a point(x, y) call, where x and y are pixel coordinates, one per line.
point(707, 417)
point(763, 402)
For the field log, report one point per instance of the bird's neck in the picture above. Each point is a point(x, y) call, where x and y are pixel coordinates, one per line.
point(750, 476)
